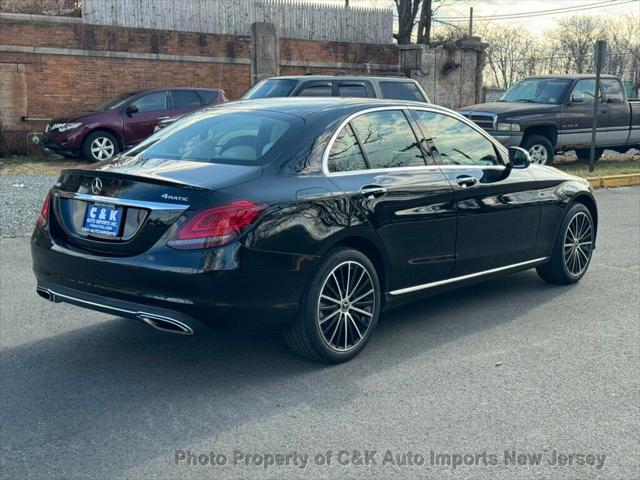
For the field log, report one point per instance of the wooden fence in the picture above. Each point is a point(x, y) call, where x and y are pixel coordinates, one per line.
point(293, 19)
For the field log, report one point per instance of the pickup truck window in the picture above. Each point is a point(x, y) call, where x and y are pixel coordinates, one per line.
point(537, 90)
point(612, 91)
point(587, 87)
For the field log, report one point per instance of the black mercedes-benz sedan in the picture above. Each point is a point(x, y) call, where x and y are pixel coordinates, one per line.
point(307, 215)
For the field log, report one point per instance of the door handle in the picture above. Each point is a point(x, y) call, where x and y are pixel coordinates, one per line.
point(373, 191)
point(466, 181)
point(163, 118)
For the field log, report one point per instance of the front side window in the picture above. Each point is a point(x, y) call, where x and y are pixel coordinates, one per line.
point(185, 99)
point(612, 91)
point(152, 102)
point(586, 87)
point(401, 91)
point(457, 142)
point(388, 140)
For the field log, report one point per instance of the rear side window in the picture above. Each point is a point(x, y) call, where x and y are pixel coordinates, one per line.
point(208, 96)
point(316, 91)
point(234, 138)
point(352, 90)
point(401, 91)
point(387, 139)
point(612, 91)
point(345, 153)
point(185, 99)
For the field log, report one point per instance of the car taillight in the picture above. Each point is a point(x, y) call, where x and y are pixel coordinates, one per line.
point(216, 226)
point(44, 211)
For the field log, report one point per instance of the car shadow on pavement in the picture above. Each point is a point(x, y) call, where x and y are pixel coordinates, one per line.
point(96, 394)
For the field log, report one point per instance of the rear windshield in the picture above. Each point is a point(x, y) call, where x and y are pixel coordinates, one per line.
point(401, 91)
point(271, 88)
point(241, 138)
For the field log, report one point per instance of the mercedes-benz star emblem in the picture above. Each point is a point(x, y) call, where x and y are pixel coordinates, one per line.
point(96, 186)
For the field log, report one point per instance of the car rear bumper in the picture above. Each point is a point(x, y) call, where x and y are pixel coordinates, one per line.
point(231, 288)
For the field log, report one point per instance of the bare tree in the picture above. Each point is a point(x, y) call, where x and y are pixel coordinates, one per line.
point(407, 12)
point(576, 37)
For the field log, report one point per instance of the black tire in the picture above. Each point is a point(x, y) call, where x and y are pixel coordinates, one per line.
point(583, 154)
point(110, 142)
point(558, 270)
point(532, 142)
point(306, 337)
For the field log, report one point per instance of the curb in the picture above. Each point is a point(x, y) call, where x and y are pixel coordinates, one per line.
point(615, 180)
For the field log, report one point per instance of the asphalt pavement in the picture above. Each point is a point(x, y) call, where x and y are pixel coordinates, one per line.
point(510, 379)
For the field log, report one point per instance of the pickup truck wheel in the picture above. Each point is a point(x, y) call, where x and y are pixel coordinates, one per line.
point(539, 148)
point(584, 153)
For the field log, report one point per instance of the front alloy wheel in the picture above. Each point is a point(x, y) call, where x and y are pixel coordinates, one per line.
point(339, 309)
point(573, 249)
point(102, 148)
point(578, 243)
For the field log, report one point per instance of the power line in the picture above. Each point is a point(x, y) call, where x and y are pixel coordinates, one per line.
point(513, 16)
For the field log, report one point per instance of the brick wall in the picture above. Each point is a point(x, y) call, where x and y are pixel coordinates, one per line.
point(70, 66)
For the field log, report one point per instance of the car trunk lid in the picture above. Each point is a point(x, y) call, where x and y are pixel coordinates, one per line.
point(124, 206)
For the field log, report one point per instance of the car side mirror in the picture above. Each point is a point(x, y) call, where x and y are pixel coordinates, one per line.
point(578, 97)
point(518, 158)
point(131, 109)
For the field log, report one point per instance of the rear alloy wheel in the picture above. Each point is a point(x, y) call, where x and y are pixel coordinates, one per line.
point(340, 309)
point(540, 149)
point(99, 146)
point(573, 250)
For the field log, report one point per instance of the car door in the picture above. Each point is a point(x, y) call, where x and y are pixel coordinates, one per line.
point(498, 208)
point(140, 122)
point(577, 117)
point(616, 126)
point(378, 161)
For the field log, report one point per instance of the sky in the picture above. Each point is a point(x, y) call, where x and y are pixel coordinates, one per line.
point(536, 25)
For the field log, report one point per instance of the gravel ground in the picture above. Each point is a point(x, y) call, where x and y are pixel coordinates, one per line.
point(21, 198)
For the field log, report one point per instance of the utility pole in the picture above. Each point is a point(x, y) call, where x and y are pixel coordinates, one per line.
point(471, 21)
point(346, 3)
point(601, 46)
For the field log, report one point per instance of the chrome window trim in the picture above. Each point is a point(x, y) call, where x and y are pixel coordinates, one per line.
point(457, 116)
point(125, 202)
point(446, 281)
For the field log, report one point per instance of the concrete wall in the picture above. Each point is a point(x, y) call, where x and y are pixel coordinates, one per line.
point(58, 66)
point(451, 74)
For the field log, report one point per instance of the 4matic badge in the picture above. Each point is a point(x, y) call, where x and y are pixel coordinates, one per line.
point(167, 196)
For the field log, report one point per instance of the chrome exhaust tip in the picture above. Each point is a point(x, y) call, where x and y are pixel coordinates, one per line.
point(165, 324)
point(46, 294)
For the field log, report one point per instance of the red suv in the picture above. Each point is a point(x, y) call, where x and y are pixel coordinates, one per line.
point(123, 121)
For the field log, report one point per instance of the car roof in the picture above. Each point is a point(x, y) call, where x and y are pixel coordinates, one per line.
point(343, 77)
point(306, 107)
point(573, 76)
point(151, 90)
